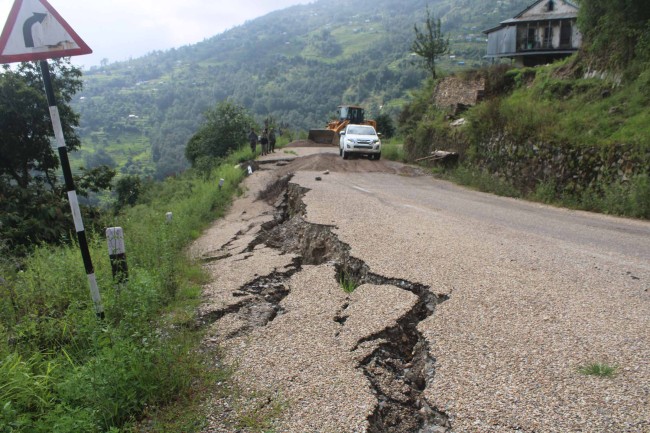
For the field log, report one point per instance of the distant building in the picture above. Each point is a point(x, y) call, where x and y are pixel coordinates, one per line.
point(544, 32)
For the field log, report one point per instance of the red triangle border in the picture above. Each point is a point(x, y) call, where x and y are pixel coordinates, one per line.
point(27, 57)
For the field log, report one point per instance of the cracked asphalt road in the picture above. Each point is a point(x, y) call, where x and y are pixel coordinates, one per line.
point(533, 293)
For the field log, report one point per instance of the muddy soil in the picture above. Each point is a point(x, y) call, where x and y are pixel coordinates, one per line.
point(334, 163)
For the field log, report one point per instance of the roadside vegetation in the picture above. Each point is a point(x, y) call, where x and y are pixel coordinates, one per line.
point(598, 369)
point(347, 282)
point(64, 370)
point(564, 140)
point(573, 133)
point(393, 150)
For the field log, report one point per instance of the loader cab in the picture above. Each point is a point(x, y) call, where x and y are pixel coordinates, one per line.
point(352, 113)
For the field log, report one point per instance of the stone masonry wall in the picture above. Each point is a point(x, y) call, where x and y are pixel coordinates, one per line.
point(453, 91)
point(570, 168)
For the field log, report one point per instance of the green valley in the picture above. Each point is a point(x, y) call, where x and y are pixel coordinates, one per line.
point(295, 65)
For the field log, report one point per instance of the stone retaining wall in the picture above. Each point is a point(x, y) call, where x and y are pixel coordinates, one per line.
point(571, 169)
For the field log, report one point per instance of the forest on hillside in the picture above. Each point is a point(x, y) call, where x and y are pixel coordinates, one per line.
point(295, 65)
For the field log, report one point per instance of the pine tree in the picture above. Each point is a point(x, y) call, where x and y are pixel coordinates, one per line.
point(430, 43)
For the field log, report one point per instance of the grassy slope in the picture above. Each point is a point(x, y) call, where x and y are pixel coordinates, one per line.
point(554, 110)
point(63, 370)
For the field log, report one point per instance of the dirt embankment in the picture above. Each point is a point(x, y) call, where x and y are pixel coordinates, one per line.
point(333, 162)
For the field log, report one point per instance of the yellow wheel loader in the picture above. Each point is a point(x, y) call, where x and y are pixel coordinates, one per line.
point(346, 114)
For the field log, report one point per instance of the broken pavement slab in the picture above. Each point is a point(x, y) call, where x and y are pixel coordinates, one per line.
point(524, 311)
point(299, 357)
point(232, 273)
point(302, 350)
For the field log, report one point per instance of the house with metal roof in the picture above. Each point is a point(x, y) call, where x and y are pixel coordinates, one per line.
point(544, 32)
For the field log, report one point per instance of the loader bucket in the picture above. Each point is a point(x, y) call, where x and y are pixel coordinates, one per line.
point(322, 136)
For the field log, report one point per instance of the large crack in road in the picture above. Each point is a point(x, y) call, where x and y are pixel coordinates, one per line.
point(400, 367)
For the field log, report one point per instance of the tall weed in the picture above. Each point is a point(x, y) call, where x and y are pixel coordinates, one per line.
point(482, 181)
point(630, 198)
point(63, 370)
point(393, 152)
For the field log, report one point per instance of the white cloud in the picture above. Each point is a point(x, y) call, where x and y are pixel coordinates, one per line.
point(120, 29)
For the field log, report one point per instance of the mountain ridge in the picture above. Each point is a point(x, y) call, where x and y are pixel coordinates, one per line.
point(296, 65)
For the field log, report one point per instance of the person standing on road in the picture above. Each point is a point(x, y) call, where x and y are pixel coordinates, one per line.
point(265, 142)
point(272, 140)
point(252, 139)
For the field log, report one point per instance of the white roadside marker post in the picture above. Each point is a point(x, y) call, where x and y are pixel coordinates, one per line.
point(117, 255)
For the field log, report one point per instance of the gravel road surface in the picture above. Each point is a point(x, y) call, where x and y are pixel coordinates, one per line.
point(473, 313)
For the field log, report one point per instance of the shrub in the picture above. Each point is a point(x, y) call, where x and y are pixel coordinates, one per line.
point(630, 198)
point(393, 152)
point(546, 192)
point(499, 81)
point(483, 181)
point(598, 369)
point(385, 126)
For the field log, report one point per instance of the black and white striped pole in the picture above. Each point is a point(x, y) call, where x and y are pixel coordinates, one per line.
point(72, 194)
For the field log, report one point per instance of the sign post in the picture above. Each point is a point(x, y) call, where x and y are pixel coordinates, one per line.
point(36, 32)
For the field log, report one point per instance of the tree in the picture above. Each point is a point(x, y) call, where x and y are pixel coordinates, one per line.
point(616, 31)
point(430, 43)
point(128, 189)
point(385, 125)
point(33, 205)
point(25, 127)
point(225, 128)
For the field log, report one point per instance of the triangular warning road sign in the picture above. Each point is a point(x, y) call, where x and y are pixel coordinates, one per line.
point(35, 31)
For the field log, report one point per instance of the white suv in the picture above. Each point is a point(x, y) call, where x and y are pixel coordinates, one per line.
point(360, 140)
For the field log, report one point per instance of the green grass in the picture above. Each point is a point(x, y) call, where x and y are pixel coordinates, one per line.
point(256, 412)
point(579, 112)
point(392, 152)
point(590, 128)
point(480, 180)
point(128, 149)
point(189, 413)
point(360, 41)
point(353, 39)
point(631, 198)
point(347, 282)
point(64, 370)
point(598, 369)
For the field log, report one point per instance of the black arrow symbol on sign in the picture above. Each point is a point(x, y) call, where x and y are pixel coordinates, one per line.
point(27, 28)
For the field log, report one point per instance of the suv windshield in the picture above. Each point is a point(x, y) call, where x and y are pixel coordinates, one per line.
point(361, 130)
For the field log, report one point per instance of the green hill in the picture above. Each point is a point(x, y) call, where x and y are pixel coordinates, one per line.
point(296, 65)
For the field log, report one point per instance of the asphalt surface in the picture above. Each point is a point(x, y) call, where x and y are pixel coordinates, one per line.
point(533, 293)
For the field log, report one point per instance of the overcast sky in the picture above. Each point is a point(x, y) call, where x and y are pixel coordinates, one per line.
point(120, 29)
